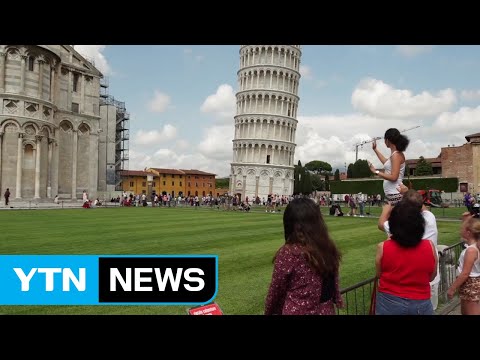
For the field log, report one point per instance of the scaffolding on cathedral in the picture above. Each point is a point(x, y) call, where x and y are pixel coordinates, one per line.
point(122, 133)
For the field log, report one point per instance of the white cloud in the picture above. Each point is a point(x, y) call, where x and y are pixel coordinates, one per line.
point(160, 102)
point(428, 149)
point(182, 144)
point(94, 52)
point(217, 143)
point(413, 50)
point(316, 147)
point(199, 58)
point(470, 95)
point(138, 160)
point(221, 104)
point(374, 97)
point(460, 123)
point(187, 51)
point(306, 72)
point(332, 138)
point(214, 153)
point(167, 158)
point(153, 137)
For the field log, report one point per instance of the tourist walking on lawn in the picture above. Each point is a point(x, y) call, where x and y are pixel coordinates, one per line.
point(468, 278)
point(305, 273)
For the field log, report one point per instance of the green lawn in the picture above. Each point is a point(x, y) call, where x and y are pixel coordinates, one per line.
point(244, 242)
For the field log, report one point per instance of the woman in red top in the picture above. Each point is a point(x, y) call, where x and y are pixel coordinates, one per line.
point(305, 274)
point(405, 265)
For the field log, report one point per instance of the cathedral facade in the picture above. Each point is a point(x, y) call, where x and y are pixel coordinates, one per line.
point(50, 123)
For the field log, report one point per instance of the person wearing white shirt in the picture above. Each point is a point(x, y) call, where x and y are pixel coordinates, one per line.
point(468, 273)
point(394, 165)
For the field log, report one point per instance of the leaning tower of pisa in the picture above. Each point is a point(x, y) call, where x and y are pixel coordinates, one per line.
point(266, 120)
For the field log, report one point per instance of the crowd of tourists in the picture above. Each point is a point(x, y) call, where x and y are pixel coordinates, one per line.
point(305, 278)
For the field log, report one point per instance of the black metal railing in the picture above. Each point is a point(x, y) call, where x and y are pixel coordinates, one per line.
point(448, 260)
point(357, 298)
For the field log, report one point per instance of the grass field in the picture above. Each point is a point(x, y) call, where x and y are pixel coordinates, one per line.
point(244, 242)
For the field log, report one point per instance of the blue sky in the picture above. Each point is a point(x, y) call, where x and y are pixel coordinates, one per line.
point(181, 100)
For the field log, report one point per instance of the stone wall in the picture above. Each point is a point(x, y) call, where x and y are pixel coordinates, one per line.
point(462, 162)
point(49, 99)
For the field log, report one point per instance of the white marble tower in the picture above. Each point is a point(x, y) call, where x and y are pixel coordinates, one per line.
point(265, 124)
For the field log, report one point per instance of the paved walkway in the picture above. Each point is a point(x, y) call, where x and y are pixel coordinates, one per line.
point(455, 311)
point(33, 204)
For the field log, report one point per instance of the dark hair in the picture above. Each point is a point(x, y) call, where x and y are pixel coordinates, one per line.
point(399, 140)
point(413, 197)
point(407, 224)
point(304, 225)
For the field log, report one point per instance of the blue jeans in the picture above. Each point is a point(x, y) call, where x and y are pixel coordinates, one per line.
point(393, 305)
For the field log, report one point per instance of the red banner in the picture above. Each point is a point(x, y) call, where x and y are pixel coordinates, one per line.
point(210, 309)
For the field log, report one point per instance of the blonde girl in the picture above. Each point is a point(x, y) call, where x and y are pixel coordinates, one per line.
point(468, 278)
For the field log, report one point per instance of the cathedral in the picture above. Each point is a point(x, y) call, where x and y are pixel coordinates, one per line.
point(60, 134)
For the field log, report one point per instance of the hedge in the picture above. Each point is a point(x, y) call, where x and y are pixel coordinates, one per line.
point(376, 186)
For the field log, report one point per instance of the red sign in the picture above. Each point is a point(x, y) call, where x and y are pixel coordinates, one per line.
point(210, 309)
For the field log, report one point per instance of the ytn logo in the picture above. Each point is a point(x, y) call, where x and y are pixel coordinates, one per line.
point(107, 279)
point(67, 277)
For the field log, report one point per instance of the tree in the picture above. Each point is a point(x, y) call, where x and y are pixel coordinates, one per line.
point(327, 182)
point(318, 167)
point(306, 183)
point(423, 167)
point(297, 188)
point(361, 169)
point(222, 183)
point(317, 182)
point(337, 175)
point(350, 171)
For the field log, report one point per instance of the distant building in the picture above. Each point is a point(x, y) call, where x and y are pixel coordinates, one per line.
point(221, 191)
point(435, 162)
point(342, 175)
point(171, 181)
point(199, 182)
point(136, 181)
point(462, 162)
point(168, 181)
